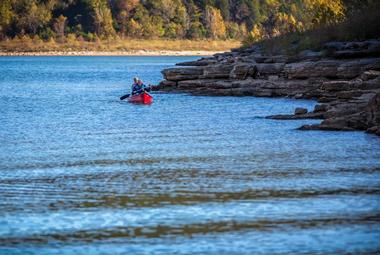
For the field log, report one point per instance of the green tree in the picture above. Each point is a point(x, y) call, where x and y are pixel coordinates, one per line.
point(248, 11)
point(182, 18)
point(153, 27)
point(6, 17)
point(224, 8)
point(255, 11)
point(101, 14)
point(195, 29)
point(140, 13)
point(235, 31)
point(31, 16)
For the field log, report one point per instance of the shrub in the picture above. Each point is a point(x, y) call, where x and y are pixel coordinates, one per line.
point(89, 37)
point(46, 34)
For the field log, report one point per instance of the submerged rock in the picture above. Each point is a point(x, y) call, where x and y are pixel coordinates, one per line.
point(300, 110)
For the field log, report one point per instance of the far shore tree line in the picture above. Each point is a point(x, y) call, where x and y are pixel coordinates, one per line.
point(92, 20)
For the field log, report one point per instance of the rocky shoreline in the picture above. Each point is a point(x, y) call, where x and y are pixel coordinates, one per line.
point(110, 53)
point(344, 77)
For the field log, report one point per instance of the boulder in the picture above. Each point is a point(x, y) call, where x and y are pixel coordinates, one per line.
point(320, 108)
point(340, 69)
point(219, 71)
point(370, 84)
point(246, 59)
point(357, 121)
point(309, 55)
point(243, 71)
point(343, 109)
point(369, 75)
point(193, 84)
point(374, 130)
point(270, 59)
point(333, 46)
point(201, 62)
point(184, 73)
point(355, 54)
point(273, 77)
point(336, 85)
point(373, 111)
point(223, 84)
point(337, 126)
point(300, 110)
point(307, 69)
point(309, 115)
point(274, 68)
point(349, 94)
point(165, 85)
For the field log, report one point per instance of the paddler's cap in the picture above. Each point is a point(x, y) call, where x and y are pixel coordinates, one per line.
point(136, 78)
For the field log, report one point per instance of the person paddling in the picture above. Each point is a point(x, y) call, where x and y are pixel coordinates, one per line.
point(138, 87)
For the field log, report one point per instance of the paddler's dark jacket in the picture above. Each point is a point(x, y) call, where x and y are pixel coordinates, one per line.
point(138, 89)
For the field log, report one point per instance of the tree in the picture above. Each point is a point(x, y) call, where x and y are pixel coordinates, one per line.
point(31, 16)
point(195, 29)
point(224, 8)
point(325, 11)
point(102, 18)
point(59, 27)
point(153, 27)
point(235, 31)
point(214, 23)
point(255, 11)
point(232, 30)
point(140, 13)
point(256, 34)
point(134, 29)
point(6, 17)
point(193, 19)
point(122, 10)
point(182, 18)
point(248, 12)
point(284, 23)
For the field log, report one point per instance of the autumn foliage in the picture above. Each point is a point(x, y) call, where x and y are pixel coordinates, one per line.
point(92, 20)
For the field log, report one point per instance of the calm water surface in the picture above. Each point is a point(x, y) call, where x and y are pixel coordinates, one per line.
point(82, 172)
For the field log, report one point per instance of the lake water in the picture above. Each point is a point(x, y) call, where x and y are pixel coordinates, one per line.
point(82, 172)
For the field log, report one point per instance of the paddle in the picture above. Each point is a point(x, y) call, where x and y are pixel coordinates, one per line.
point(125, 96)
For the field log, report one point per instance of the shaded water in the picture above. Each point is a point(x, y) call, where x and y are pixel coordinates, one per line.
point(82, 172)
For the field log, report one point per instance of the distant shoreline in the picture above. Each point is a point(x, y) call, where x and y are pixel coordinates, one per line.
point(111, 53)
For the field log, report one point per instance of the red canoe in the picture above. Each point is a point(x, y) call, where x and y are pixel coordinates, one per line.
point(143, 98)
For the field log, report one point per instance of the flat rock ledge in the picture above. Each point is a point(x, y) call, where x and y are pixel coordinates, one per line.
point(344, 78)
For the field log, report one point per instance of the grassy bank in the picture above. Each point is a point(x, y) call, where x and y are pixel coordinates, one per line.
point(28, 44)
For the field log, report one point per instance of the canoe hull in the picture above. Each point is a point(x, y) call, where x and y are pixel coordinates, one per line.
point(143, 98)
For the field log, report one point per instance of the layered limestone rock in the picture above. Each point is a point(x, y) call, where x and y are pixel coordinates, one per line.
point(344, 78)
